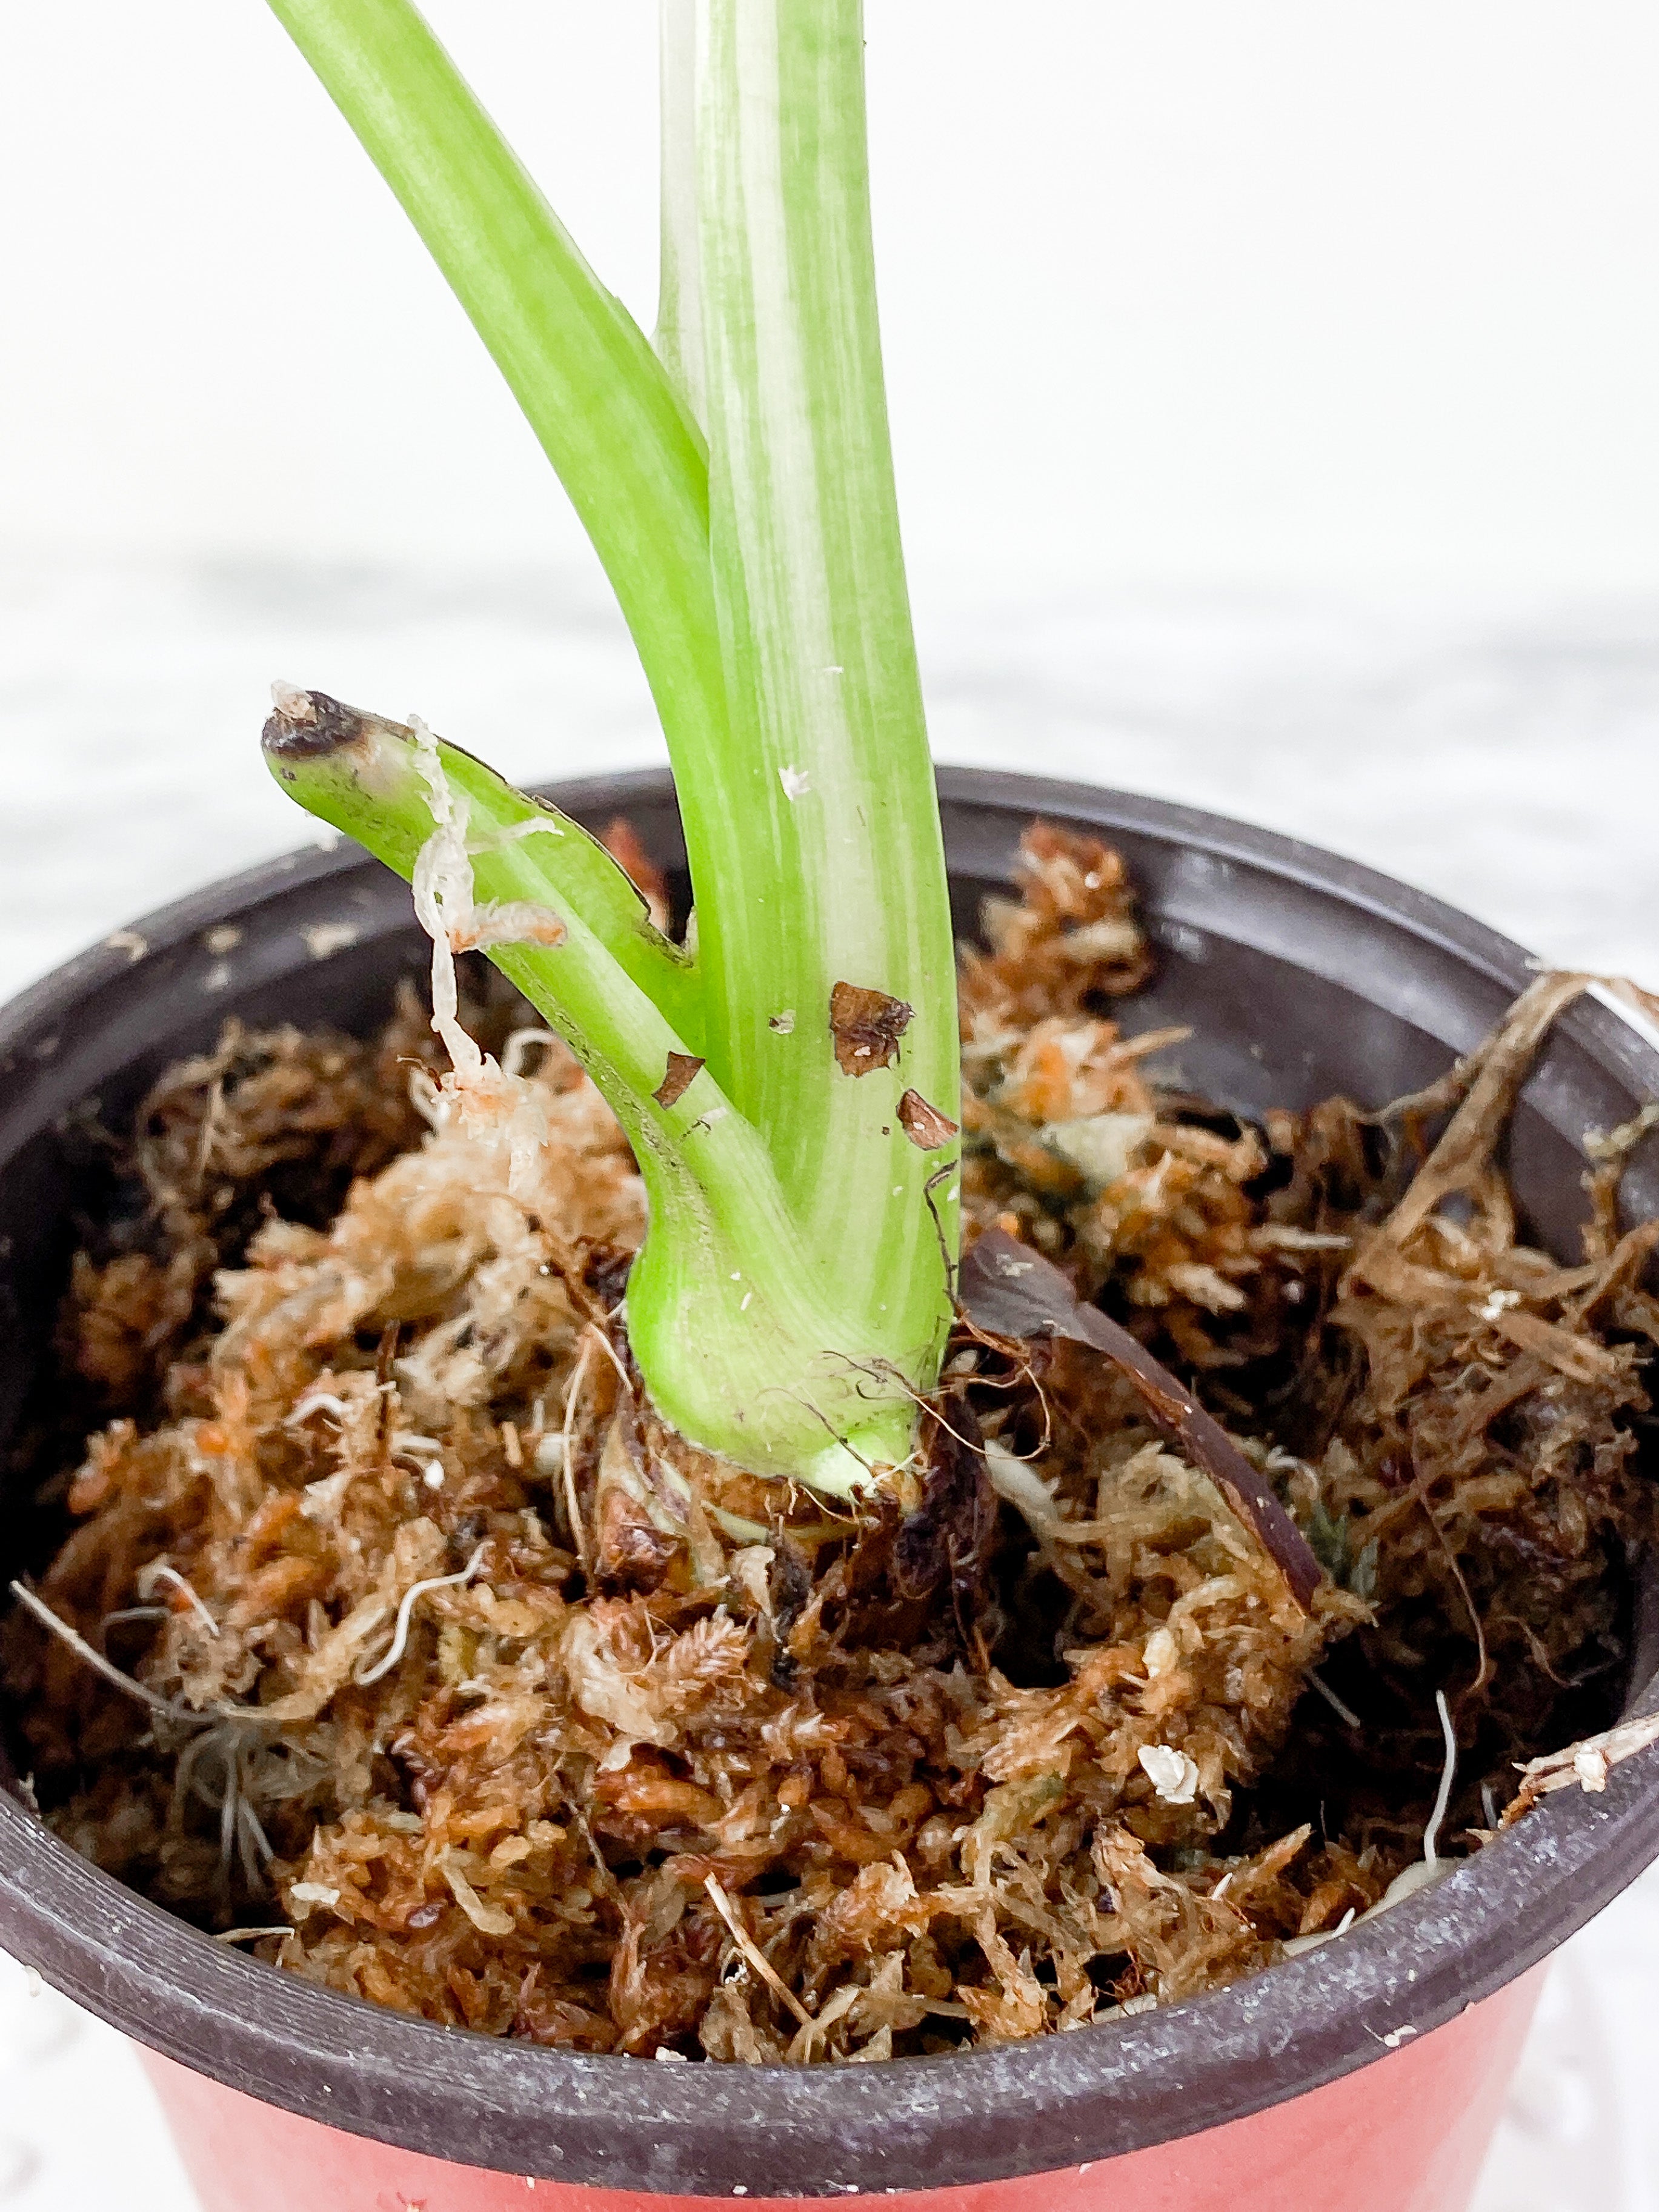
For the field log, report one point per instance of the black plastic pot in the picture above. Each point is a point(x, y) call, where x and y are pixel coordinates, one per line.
point(1302, 974)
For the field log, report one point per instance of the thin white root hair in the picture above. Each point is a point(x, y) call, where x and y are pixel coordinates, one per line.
point(158, 1571)
point(427, 1099)
point(316, 1401)
point(443, 885)
point(405, 1614)
point(111, 1672)
point(407, 1444)
point(514, 833)
point(519, 1044)
point(596, 1336)
point(1345, 1714)
point(448, 911)
point(1447, 1772)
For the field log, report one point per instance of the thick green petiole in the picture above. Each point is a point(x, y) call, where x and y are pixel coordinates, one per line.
point(608, 418)
point(793, 1296)
point(840, 878)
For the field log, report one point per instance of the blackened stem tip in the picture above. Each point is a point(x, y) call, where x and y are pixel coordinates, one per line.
point(309, 725)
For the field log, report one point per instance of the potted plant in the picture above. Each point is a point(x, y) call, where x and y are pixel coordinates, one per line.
point(787, 1074)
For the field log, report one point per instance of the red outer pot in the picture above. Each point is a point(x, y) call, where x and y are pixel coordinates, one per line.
point(1364, 2075)
point(1406, 2135)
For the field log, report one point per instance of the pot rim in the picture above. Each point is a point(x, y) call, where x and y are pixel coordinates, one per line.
point(913, 2124)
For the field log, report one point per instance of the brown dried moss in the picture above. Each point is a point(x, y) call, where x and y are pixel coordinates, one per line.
point(521, 1715)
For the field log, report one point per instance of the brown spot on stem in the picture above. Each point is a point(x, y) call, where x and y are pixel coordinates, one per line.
point(924, 1125)
point(681, 1067)
point(866, 1026)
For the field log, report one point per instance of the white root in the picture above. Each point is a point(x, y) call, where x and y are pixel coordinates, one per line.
point(1443, 1795)
point(490, 1101)
point(1422, 1873)
point(1014, 1480)
point(158, 1571)
point(209, 1720)
point(316, 1401)
point(1345, 1713)
point(520, 1043)
point(444, 899)
point(514, 833)
point(567, 1455)
point(111, 1672)
point(405, 1612)
point(443, 885)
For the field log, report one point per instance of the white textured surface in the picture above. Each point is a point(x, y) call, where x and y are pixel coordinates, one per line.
point(1501, 756)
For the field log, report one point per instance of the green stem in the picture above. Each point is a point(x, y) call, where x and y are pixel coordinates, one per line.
point(764, 584)
point(723, 1313)
point(625, 447)
point(355, 770)
point(840, 876)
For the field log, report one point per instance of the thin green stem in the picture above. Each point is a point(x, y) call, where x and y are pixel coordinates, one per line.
point(626, 448)
point(355, 771)
point(624, 440)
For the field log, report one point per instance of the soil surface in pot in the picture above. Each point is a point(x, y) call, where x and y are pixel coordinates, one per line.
point(415, 1653)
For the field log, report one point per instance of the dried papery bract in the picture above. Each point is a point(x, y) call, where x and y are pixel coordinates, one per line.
point(1007, 1287)
point(928, 1129)
point(740, 492)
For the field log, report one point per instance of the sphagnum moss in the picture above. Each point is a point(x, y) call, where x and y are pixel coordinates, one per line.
point(522, 1713)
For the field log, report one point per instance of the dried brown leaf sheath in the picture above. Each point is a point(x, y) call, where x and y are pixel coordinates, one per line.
point(866, 1026)
point(682, 1067)
point(1011, 1289)
point(924, 1125)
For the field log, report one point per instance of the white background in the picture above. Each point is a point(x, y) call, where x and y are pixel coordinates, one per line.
point(1274, 391)
point(1283, 292)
